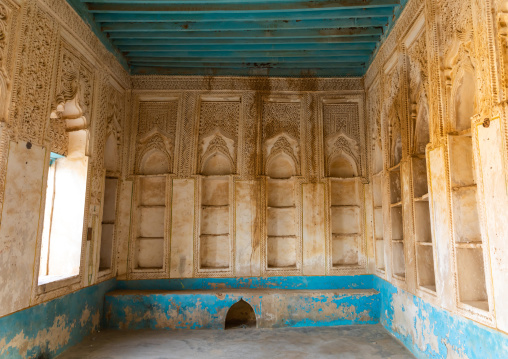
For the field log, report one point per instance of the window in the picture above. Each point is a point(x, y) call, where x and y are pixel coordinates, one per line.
point(64, 211)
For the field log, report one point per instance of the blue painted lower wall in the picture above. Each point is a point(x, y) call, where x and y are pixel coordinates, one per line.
point(207, 309)
point(428, 331)
point(290, 282)
point(431, 332)
point(47, 329)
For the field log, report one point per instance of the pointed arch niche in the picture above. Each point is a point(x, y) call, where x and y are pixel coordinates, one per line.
point(112, 163)
point(217, 166)
point(419, 136)
point(392, 122)
point(468, 241)
point(345, 193)
point(151, 223)
point(282, 234)
point(424, 245)
point(240, 315)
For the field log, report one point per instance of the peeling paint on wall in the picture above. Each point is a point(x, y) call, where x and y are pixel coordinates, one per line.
point(198, 309)
point(54, 326)
point(291, 282)
point(431, 332)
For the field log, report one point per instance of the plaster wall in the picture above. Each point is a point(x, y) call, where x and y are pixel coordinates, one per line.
point(208, 309)
point(181, 131)
point(265, 176)
point(61, 82)
point(47, 329)
point(431, 332)
point(437, 86)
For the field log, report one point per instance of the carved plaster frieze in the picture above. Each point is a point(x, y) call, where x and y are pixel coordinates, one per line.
point(9, 12)
point(30, 104)
point(68, 18)
point(216, 143)
point(341, 129)
point(282, 143)
point(265, 84)
point(411, 12)
point(74, 89)
point(218, 130)
point(340, 144)
point(156, 129)
point(279, 117)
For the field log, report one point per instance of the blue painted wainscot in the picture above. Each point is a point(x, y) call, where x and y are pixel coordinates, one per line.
point(431, 332)
point(47, 329)
point(277, 301)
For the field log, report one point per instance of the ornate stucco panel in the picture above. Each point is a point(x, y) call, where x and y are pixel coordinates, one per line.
point(282, 116)
point(341, 129)
point(156, 130)
point(218, 130)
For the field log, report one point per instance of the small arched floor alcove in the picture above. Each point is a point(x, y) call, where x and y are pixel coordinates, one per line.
point(240, 315)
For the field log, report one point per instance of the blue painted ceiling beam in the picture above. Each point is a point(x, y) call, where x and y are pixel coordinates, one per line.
point(311, 55)
point(303, 72)
point(248, 34)
point(301, 65)
point(236, 5)
point(324, 38)
point(373, 39)
point(336, 59)
point(243, 16)
point(271, 25)
point(161, 45)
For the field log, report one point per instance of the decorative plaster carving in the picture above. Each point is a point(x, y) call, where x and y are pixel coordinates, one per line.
point(417, 93)
point(115, 120)
point(278, 118)
point(72, 21)
point(248, 135)
point(271, 84)
point(282, 144)
point(156, 130)
point(218, 130)
point(452, 57)
point(8, 19)
point(216, 143)
point(502, 38)
point(186, 151)
point(29, 107)
point(342, 133)
point(266, 121)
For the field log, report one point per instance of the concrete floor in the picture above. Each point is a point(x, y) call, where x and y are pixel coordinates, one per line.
point(347, 342)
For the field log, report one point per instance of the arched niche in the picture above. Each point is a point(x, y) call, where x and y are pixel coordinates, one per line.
point(396, 141)
point(280, 165)
point(464, 99)
point(111, 153)
point(422, 131)
point(153, 162)
point(342, 166)
point(217, 164)
point(240, 315)
point(377, 156)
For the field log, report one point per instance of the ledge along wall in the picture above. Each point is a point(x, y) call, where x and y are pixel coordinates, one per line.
point(428, 331)
point(425, 329)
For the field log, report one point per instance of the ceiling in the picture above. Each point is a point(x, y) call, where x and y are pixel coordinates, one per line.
point(321, 38)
